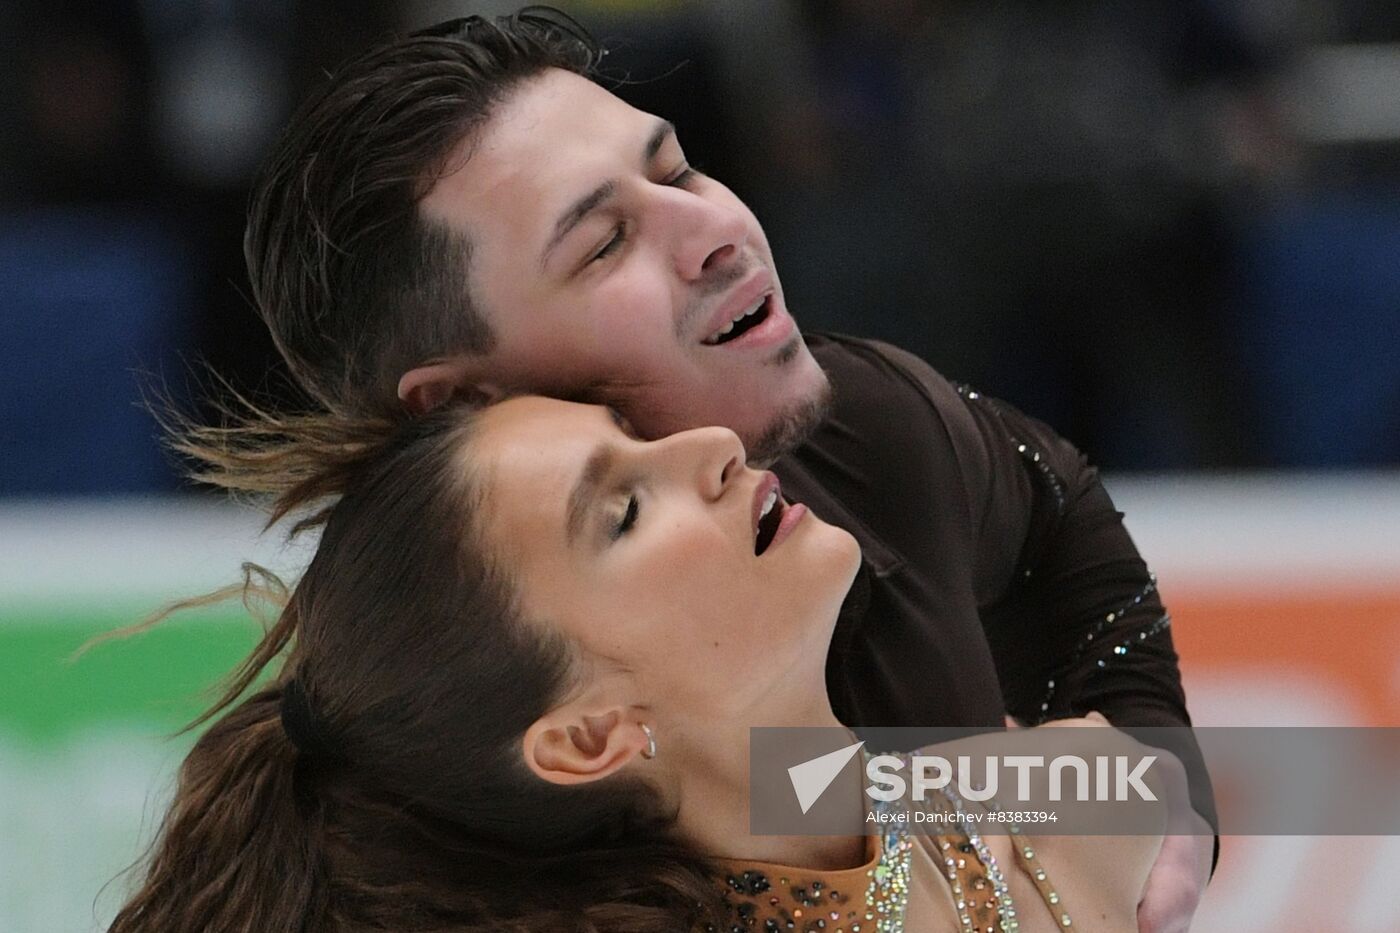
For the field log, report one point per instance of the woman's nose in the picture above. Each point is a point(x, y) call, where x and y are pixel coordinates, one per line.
point(710, 458)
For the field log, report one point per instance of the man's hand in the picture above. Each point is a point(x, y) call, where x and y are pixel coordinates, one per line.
point(1094, 718)
point(1178, 877)
point(1177, 881)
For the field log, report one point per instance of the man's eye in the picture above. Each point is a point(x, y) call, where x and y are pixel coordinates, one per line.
point(618, 238)
point(682, 178)
point(629, 518)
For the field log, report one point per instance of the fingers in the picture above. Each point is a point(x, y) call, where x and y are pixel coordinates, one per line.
point(1094, 718)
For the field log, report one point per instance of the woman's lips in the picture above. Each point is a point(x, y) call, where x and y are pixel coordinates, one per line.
point(789, 513)
point(793, 514)
point(768, 483)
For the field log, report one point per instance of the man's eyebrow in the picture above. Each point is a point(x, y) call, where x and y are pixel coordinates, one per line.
point(575, 214)
point(585, 492)
point(664, 130)
point(592, 200)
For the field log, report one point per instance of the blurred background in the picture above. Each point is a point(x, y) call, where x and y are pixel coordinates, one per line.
point(1170, 228)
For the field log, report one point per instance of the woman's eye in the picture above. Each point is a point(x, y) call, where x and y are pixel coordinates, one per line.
point(629, 518)
point(612, 246)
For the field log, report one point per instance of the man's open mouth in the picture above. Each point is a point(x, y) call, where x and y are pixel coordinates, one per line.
point(746, 321)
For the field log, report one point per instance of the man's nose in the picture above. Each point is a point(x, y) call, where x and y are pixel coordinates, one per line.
point(708, 237)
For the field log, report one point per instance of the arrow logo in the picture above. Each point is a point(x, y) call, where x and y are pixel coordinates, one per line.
point(811, 778)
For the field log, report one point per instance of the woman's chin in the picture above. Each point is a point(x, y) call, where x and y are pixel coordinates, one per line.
point(845, 556)
point(835, 561)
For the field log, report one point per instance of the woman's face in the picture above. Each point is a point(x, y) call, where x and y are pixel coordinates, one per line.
point(669, 560)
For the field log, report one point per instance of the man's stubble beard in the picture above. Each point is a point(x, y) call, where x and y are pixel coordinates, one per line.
point(786, 431)
point(789, 428)
point(792, 426)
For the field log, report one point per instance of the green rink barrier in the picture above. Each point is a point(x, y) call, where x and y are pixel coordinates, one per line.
point(88, 748)
point(161, 678)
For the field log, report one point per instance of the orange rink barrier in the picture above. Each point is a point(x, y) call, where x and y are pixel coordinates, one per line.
point(1285, 598)
point(1329, 656)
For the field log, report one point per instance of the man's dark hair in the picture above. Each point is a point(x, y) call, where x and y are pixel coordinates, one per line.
point(356, 286)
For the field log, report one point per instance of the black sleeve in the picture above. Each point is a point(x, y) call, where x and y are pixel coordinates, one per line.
point(1081, 627)
point(1075, 620)
point(1071, 612)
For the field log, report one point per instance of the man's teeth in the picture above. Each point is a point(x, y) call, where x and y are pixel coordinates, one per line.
point(730, 326)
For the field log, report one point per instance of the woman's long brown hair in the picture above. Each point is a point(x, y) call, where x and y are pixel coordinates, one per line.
point(413, 811)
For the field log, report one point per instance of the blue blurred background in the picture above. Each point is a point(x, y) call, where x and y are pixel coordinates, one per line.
point(1170, 228)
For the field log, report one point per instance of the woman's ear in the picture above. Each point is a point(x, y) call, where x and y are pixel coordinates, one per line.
point(425, 387)
point(574, 744)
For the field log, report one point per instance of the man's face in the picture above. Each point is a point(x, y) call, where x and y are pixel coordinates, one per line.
point(610, 272)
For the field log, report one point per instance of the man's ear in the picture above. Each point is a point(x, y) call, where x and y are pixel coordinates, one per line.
point(575, 745)
point(426, 387)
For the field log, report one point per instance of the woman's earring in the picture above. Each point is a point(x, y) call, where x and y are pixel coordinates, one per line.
point(650, 750)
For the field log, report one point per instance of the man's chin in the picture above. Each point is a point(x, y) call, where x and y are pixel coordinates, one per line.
point(790, 427)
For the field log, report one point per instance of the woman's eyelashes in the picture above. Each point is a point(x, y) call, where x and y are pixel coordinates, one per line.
point(629, 518)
